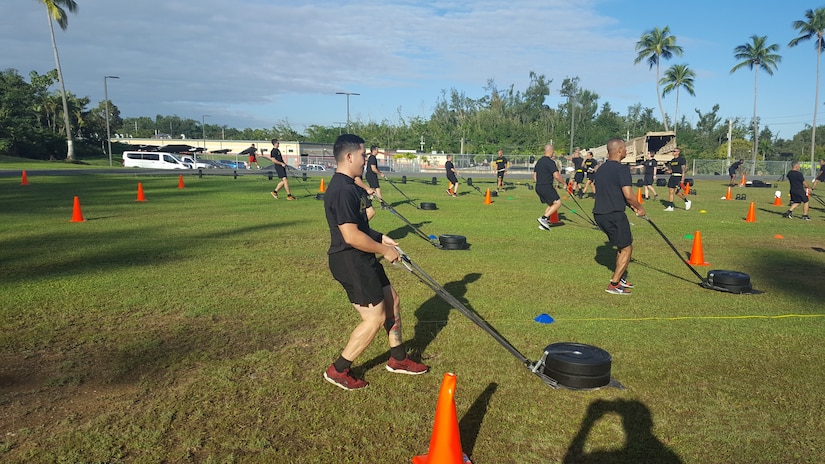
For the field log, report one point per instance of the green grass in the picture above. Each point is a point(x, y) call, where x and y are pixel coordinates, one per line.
point(195, 327)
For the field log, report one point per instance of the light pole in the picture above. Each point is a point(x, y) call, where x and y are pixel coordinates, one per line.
point(347, 94)
point(203, 129)
point(106, 104)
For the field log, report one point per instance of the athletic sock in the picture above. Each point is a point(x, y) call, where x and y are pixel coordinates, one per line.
point(341, 364)
point(398, 353)
point(614, 284)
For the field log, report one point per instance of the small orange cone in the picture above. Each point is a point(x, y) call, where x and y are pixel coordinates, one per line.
point(445, 443)
point(322, 189)
point(487, 199)
point(570, 187)
point(554, 218)
point(140, 196)
point(728, 195)
point(687, 188)
point(180, 181)
point(25, 180)
point(751, 214)
point(777, 200)
point(742, 183)
point(697, 256)
point(639, 196)
point(77, 215)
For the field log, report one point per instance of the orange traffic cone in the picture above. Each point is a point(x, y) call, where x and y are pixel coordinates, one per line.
point(322, 189)
point(697, 256)
point(487, 199)
point(687, 188)
point(180, 181)
point(742, 183)
point(752, 213)
point(140, 196)
point(639, 196)
point(728, 195)
point(554, 218)
point(25, 180)
point(777, 200)
point(570, 187)
point(445, 443)
point(77, 215)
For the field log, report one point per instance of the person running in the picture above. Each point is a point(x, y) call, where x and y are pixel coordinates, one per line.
point(280, 169)
point(650, 166)
point(452, 176)
point(821, 176)
point(613, 195)
point(589, 167)
point(372, 172)
point(544, 172)
point(734, 169)
point(676, 168)
point(501, 164)
point(352, 262)
point(578, 171)
point(252, 153)
point(798, 192)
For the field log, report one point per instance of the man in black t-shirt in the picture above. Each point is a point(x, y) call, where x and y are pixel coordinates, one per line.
point(614, 193)
point(280, 168)
point(589, 166)
point(501, 165)
point(371, 173)
point(799, 192)
point(352, 261)
point(650, 165)
point(676, 168)
point(578, 172)
point(821, 176)
point(734, 169)
point(544, 172)
point(452, 174)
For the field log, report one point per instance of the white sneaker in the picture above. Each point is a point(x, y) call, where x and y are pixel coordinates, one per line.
point(544, 222)
point(687, 205)
point(669, 208)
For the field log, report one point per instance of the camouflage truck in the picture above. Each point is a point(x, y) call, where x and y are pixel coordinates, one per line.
point(661, 144)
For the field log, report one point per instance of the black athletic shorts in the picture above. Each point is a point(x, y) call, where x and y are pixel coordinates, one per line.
point(799, 196)
point(547, 193)
point(649, 179)
point(361, 275)
point(452, 178)
point(372, 180)
point(579, 177)
point(281, 171)
point(674, 181)
point(617, 228)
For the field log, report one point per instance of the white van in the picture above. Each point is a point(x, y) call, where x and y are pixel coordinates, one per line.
point(152, 160)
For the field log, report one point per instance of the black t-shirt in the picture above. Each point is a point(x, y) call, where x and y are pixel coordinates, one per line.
point(449, 166)
point(796, 179)
point(371, 161)
point(650, 167)
point(577, 163)
point(734, 167)
point(610, 178)
point(276, 155)
point(544, 169)
point(501, 163)
point(589, 165)
point(344, 203)
point(676, 166)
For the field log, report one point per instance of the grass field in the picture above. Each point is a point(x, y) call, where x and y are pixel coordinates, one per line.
point(194, 327)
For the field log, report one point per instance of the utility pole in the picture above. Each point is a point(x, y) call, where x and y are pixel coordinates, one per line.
point(106, 104)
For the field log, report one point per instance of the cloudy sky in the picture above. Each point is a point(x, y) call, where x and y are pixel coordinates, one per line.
point(255, 63)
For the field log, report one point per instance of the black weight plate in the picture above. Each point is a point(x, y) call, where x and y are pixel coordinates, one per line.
point(722, 277)
point(453, 246)
point(449, 238)
point(428, 206)
point(578, 381)
point(577, 359)
point(319, 196)
point(493, 193)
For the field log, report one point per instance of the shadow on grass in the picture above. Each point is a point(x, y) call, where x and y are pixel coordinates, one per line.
point(797, 273)
point(640, 445)
point(470, 424)
point(431, 318)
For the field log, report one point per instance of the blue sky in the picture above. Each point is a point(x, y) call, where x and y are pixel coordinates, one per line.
point(256, 63)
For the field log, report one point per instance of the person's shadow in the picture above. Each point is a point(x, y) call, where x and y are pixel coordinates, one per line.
point(606, 256)
point(431, 318)
point(640, 445)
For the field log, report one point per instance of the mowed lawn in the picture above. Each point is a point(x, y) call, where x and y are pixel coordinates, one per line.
point(194, 327)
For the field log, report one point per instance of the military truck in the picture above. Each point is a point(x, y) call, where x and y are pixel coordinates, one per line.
point(661, 144)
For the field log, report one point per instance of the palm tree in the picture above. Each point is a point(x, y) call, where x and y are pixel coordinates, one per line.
point(755, 55)
point(654, 46)
point(55, 10)
point(814, 27)
point(677, 77)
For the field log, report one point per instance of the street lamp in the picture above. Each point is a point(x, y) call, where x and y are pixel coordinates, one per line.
point(106, 104)
point(203, 128)
point(347, 94)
